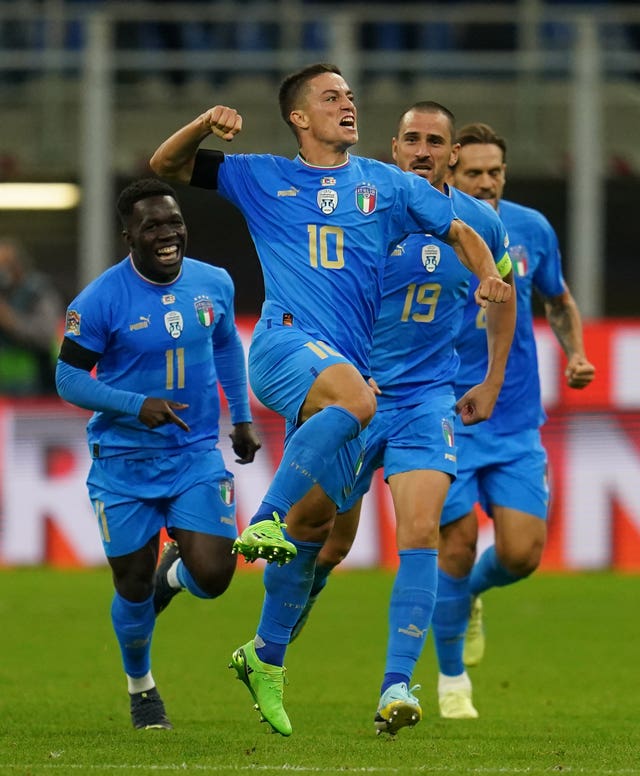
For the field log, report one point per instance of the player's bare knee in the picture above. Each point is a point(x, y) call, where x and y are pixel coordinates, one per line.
point(457, 560)
point(361, 403)
point(521, 562)
point(214, 581)
point(134, 589)
point(316, 533)
point(333, 553)
point(367, 409)
point(457, 552)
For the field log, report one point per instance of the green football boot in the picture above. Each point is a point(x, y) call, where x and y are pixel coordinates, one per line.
point(266, 685)
point(265, 540)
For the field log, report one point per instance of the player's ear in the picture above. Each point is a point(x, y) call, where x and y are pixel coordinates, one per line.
point(394, 149)
point(299, 119)
point(453, 157)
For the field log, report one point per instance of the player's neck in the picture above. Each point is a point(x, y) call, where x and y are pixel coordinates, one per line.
point(323, 156)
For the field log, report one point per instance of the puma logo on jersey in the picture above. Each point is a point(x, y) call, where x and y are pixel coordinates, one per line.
point(143, 323)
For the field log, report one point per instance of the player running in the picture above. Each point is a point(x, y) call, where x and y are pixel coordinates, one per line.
point(323, 224)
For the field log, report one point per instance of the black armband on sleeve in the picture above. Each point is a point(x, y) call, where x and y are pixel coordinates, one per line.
point(205, 169)
point(75, 355)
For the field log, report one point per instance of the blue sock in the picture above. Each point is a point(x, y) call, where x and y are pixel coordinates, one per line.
point(320, 579)
point(188, 582)
point(488, 573)
point(410, 610)
point(286, 592)
point(450, 620)
point(309, 453)
point(133, 624)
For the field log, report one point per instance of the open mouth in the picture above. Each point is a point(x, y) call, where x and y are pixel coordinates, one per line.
point(349, 122)
point(169, 254)
point(423, 170)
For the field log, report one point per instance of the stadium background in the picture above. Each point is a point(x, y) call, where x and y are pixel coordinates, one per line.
point(88, 90)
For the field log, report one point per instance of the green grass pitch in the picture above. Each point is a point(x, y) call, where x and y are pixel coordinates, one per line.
point(558, 692)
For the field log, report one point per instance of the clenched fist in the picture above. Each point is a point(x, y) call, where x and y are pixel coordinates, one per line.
point(223, 122)
point(492, 289)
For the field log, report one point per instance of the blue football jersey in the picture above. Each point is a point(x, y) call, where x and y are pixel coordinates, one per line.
point(425, 289)
point(535, 257)
point(322, 236)
point(159, 340)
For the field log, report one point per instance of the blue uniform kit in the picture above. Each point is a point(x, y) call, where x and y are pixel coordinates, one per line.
point(502, 460)
point(157, 339)
point(414, 360)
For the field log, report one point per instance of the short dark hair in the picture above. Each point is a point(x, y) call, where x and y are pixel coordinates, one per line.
point(430, 106)
point(479, 133)
point(294, 86)
point(141, 189)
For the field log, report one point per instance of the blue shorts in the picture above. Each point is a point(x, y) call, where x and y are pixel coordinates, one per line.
point(508, 470)
point(339, 482)
point(407, 439)
point(134, 499)
point(283, 365)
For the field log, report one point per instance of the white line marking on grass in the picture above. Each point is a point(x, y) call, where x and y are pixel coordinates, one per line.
point(285, 768)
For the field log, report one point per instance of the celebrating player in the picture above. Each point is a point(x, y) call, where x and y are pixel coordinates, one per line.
point(160, 328)
point(502, 464)
point(414, 363)
point(322, 224)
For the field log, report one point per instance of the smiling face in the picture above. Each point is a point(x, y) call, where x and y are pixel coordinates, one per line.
point(157, 238)
point(481, 172)
point(425, 146)
point(326, 115)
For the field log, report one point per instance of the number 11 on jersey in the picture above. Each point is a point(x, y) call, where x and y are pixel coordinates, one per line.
point(175, 368)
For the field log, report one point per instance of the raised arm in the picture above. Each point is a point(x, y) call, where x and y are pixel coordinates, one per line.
point(173, 160)
point(474, 253)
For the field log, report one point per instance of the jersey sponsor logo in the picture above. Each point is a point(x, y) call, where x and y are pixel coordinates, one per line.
point(366, 199)
point(143, 323)
point(399, 250)
point(328, 181)
point(292, 192)
point(430, 257)
point(72, 323)
point(226, 488)
point(447, 432)
point(168, 299)
point(204, 310)
point(174, 323)
point(327, 200)
point(519, 259)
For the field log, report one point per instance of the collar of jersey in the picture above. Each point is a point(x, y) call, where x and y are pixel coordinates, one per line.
point(155, 282)
point(323, 167)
